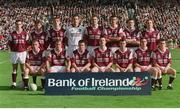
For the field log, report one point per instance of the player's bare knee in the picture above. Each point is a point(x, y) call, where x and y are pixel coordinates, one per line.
point(171, 71)
point(137, 69)
point(130, 70)
point(95, 69)
point(117, 70)
point(87, 70)
point(73, 70)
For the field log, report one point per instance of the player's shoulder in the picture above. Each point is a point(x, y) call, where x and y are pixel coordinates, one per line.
point(96, 49)
point(156, 51)
point(117, 51)
point(32, 32)
point(30, 52)
point(108, 50)
point(167, 50)
point(13, 32)
point(89, 27)
point(63, 29)
point(137, 50)
point(50, 30)
point(75, 51)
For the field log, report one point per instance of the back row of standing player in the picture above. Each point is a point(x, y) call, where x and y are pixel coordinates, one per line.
point(58, 39)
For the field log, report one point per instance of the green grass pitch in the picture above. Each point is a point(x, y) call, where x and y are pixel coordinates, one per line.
point(18, 98)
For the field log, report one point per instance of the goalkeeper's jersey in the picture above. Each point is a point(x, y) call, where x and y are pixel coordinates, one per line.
point(74, 34)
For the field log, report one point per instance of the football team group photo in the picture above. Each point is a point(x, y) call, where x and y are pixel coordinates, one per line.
point(40, 37)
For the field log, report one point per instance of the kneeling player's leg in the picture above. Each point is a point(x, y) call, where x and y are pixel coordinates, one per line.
point(154, 73)
point(42, 71)
point(159, 77)
point(87, 70)
point(26, 78)
point(172, 74)
point(129, 70)
point(109, 70)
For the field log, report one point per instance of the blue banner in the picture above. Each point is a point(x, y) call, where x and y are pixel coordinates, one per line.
point(129, 83)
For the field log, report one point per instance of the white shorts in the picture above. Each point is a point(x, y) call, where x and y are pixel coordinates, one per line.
point(141, 70)
point(18, 57)
point(36, 68)
point(91, 49)
point(70, 49)
point(56, 69)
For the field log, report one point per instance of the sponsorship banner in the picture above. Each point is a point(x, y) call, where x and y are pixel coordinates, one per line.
point(108, 83)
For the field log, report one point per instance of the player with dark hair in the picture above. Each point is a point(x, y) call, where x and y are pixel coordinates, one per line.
point(102, 57)
point(93, 34)
point(162, 61)
point(113, 34)
point(56, 33)
point(151, 34)
point(35, 64)
point(143, 61)
point(132, 34)
point(57, 60)
point(123, 57)
point(74, 33)
point(41, 36)
point(80, 59)
point(18, 42)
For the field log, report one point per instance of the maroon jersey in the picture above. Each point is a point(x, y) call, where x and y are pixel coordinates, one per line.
point(152, 38)
point(123, 59)
point(35, 59)
point(80, 59)
point(93, 35)
point(142, 57)
point(18, 42)
point(117, 32)
point(132, 34)
point(57, 59)
point(160, 58)
point(102, 58)
point(41, 37)
point(55, 35)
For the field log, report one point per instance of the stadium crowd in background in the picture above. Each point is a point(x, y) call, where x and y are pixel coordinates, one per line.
point(165, 14)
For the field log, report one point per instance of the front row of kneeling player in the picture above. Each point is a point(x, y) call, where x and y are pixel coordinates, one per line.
point(101, 59)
